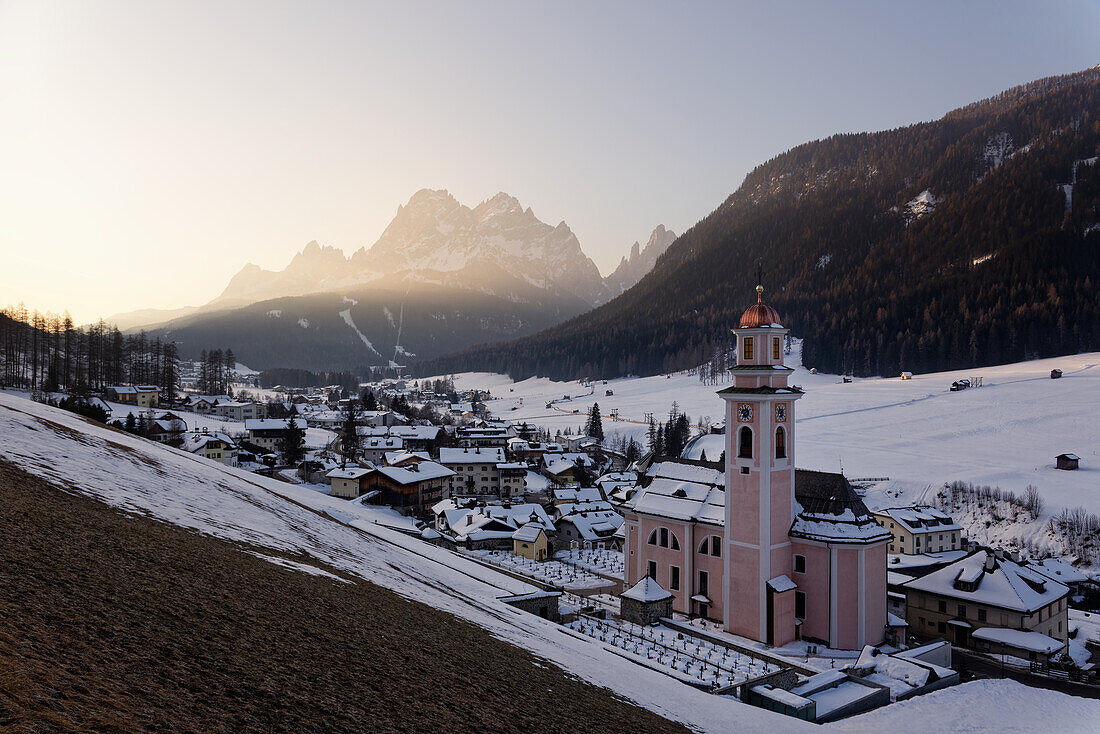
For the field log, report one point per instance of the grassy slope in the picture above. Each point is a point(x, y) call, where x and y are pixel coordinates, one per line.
point(120, 623)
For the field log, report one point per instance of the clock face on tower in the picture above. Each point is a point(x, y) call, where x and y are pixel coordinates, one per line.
point(744, 412)
point(780, 412)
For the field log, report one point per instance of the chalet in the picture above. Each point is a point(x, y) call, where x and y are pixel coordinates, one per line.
point(211, 445)
point(374, 450)
point(204, 404)
point(474, 525)
point(347, 483)
point(267, 432)
point(513, 479)
point(404, 458)
point(313, 471)
point(238, 410)
point(1068, 462)
point(487, 437)
point(143, 396)
point(417, 438)
point(531, 541)
point(475, 469)
point(987, 590)
point(167, 428)
point(918, 529)
point(411, 488)
point(385, 418)
point(590, 528)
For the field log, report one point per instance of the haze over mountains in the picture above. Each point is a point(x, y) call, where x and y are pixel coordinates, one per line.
point(967, 241)
point(441, 277)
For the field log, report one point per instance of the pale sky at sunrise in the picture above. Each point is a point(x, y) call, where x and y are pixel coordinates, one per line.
point(148, 150)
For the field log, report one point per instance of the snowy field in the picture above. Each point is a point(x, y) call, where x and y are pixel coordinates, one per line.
point(139, 476)
point(916, 432)
point(565, 575)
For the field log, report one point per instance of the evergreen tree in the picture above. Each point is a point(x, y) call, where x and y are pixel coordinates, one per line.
point(594, 426)
point(292, 443)
point(349, 435)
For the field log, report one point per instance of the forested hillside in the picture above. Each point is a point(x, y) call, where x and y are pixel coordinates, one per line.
point(967, 241)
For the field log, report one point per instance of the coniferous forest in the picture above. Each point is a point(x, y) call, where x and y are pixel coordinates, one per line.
point(1002, 266)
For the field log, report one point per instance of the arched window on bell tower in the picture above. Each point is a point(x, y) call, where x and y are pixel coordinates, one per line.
point(780, 443)
point(744, 443)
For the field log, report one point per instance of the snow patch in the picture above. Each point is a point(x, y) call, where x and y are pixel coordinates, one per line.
point(346, 316)
point(304, 323)
point(275, 313)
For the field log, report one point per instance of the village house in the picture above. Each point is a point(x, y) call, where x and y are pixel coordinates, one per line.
point(986, 591)
point(204, 404)
point(240, 410)
point(774, 553)
point(590, 528)
point(374, 450)
point(412, 488)
point(211, 445)
point(474, 525)
point(143, 396)
point(404, 458)
point(167, 428)
point(487, 437)
point(347, 483)
point(475, 469)
point(417, 438)
point(267, 432)
point(919, 530)
point(532, 542)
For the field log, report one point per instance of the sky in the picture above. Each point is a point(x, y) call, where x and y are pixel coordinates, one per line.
point(149, 150)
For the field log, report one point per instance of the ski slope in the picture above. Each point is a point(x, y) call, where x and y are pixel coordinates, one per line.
point(916, 432)
point(146, 478)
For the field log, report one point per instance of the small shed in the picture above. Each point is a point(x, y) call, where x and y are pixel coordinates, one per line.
point(1069, 462)
point(907, 375)
point(1055, 374)
point(645, 602)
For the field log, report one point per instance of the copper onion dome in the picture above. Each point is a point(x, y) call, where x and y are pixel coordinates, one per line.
point(759, 314)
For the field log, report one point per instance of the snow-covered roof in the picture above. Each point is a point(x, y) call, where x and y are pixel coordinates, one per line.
point(981, 577)
point(917, 519)
point(484, 454)
point(193, 442)
point(828, 509)
point(682, 491)
point(646, 590)
point(387, 444)
point(396, 457)
point(782, 583)
point(351, 472)
point(271, 424)
point(1058, 569)
point(529, 532)
point(902, 561)
point(1031, 641)
point(416, 433)
point(415, 473)
point(899, 673)
point(576, 494)
point(594, 525)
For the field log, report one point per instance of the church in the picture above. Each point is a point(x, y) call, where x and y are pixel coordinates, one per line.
point(774, 553)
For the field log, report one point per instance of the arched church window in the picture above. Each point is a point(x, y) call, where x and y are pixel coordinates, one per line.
point(744, 443)
point(780, 443)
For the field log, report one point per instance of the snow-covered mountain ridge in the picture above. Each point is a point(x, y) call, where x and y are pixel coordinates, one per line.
point(497, 247)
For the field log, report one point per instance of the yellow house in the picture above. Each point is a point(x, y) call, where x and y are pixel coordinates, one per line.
point(214, 446)
point(530, 541)
point(347, 483)
point(143, 396)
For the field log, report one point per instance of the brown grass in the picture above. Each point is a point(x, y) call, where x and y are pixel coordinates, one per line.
point(117, 623)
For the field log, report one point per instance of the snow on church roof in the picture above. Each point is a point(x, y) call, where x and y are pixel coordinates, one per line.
point(682, 491)
point(646, 590)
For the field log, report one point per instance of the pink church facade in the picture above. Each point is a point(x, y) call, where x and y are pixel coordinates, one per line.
point(774, 553)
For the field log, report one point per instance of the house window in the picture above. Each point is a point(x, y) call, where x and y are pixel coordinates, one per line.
point(745, 443)
point(962, 611)
point(800, 604)
point(800, 564)
point(674, 578)
point(652, 538)
point(748, 347)
point(981, 616)
point(941, 627)
point(716, 546)
point(775, 348)
point(664, 538)
point(704, 583)
point(943, 607)
point(780, 443)
point(651, 570)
